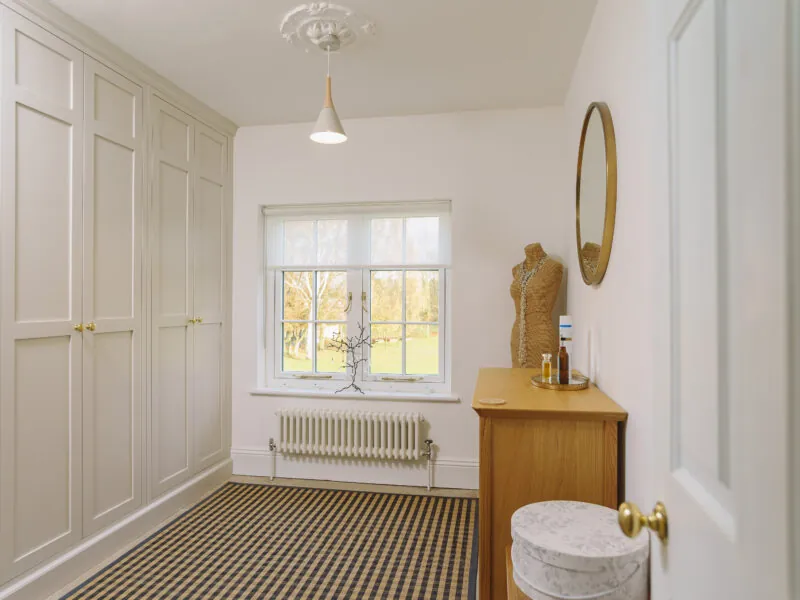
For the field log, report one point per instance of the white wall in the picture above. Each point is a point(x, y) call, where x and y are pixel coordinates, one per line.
point(619, 313)
point(506, 176)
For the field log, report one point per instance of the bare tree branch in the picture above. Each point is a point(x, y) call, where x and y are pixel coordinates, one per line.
point(351, 345)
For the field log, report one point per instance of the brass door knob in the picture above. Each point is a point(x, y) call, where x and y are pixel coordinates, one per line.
point(78, 327)
point(91, 326)
point(631, 520)
point(198, 319)
point(192, 321)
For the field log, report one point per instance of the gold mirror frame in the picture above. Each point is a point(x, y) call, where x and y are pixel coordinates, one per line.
point(611, 192)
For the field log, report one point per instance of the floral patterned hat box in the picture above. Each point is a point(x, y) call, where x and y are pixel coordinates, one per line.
point(573, 550)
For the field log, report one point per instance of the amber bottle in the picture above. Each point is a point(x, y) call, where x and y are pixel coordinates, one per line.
point(563, 365)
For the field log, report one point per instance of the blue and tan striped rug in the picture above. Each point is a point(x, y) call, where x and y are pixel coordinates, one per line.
point(256, 541)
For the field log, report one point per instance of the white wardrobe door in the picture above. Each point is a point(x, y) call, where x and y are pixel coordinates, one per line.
point(112, 298)
point(172, 460)
point(209, 292)
point(40, 372)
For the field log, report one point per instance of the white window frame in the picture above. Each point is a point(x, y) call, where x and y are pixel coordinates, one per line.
point(358, 282)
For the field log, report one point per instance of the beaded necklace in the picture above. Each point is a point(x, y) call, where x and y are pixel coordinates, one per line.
point(525, 277)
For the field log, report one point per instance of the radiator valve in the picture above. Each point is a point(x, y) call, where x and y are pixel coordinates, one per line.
point(272, 448)
point(429, 455)
point(428, 449)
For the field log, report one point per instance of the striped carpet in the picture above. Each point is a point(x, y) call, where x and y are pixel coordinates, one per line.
point(256, 541)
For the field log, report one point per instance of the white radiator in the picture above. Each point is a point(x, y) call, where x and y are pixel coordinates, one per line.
point(357, 434)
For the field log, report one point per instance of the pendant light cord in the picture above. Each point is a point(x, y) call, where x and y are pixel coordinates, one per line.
point(329, 61)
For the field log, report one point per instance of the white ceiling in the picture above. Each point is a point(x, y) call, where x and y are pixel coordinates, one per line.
point(428, 56)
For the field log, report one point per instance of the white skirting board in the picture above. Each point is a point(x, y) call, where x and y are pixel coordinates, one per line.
point(55, 574)
point(447, 472)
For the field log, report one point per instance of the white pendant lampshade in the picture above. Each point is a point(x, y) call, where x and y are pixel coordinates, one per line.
point(328, 129)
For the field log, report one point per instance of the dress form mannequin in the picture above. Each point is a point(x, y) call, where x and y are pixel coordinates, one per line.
point(537, 281)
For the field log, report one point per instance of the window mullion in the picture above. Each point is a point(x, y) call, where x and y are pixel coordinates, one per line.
point(278, 322)
point(365, 314)
point(353, 287)
point(441, 322)
point(313, 332)
point(314, 287)
point(403, 315)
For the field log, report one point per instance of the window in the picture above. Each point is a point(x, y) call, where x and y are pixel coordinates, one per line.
point(333, 270)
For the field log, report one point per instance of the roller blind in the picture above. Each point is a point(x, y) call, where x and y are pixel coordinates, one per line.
point(354, 236)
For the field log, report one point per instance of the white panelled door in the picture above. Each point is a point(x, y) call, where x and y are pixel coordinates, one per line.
point(41, 353)
point(722, 404)
point(112, 297)
point(210, 169)
point(172, 256)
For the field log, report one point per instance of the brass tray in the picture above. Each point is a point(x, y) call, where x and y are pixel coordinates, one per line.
point(576, 382)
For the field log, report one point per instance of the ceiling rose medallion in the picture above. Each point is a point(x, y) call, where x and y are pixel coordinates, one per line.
point(308, 25)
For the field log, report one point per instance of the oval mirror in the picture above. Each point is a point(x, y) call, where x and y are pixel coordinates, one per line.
point(596, 192)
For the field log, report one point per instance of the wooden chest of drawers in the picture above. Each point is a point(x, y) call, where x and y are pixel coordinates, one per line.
point(513, 592)
point(540, 445)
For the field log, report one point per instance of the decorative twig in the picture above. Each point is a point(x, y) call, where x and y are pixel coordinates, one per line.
point(349, 346)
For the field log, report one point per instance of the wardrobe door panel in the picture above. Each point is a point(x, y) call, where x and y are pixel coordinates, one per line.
point(212, 156)
point(117, 102)
point(112, 467)
point(171, 412)
point(172, 304)
point(41, 68)
point(40, 352)
point(44, 209)
point(173, 240)
point(112, 413)
point(114, 206)
point(174, 131)
point(209, 292)
point(43, 486)
point(208, 406)
point(209, 219)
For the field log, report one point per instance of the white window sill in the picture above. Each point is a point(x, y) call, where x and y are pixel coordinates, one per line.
point(367, 395)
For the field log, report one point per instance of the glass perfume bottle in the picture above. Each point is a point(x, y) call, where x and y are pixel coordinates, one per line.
point(547, 366)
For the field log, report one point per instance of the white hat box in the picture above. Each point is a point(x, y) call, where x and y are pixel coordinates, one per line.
point(576, 551)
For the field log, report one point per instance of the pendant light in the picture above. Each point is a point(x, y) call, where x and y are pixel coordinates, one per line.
point(328, 27)
point(328, 129)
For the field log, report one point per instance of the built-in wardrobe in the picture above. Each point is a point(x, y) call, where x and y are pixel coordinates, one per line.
point(114, 297)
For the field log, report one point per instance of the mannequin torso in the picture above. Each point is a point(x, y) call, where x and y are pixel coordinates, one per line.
point(537, 281)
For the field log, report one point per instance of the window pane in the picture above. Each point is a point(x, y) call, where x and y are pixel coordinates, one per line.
point(386, 354)
point(331, 295)
point(297, 346)
point(422, 296)
point(331, 242)
point(298, 243)
point(298, 291)
point(422, 349)
point(422, 240)
point(329, 359)
point(386, 293)
point(386, 241)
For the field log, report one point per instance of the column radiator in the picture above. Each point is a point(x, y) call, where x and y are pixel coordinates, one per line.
point(355, 434)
